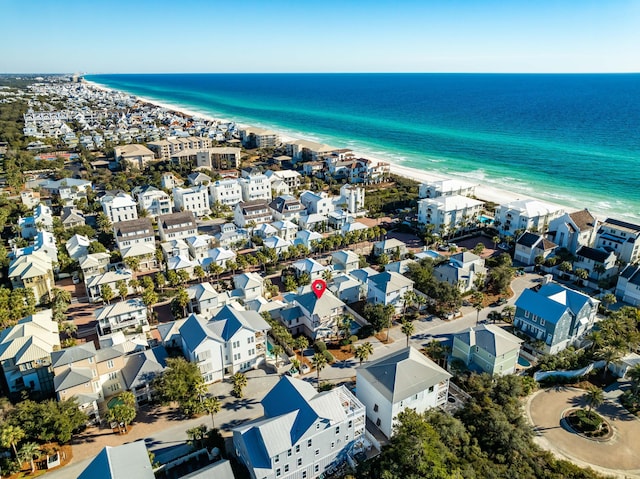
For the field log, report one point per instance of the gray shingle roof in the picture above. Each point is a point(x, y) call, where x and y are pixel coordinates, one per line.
point(403, 374)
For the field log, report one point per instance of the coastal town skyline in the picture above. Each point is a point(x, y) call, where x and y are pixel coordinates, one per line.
point(551, 37)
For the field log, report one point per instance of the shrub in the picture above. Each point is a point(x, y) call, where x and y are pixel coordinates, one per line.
point(353, 338)
point(588, 420)
point(329, 356)
point(319, 346)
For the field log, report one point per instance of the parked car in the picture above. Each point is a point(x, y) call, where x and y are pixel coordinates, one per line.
point(504, 246)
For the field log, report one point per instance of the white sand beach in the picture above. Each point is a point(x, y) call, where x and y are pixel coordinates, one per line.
point(483, 192)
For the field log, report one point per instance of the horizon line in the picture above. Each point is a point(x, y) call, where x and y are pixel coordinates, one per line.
point(327, 73)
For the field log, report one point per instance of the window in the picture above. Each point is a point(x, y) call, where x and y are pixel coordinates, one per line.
point(430, 389)
point(286, 468)
point(337, 429)
point(309, 442)
point(375, 408)
point(299, 461)
point(346, 438)
point(541, 322)
point(378, 422)
point(350, 424)
point(277, 458)
point(526, 314)
point(278, 472)
point(110, 364)
point(113, 375)
point(297, 448)
point(316, 468)
point(317, 426)
point(304, 474)
point(333, 444)
point(289, 453)
point(317, 452)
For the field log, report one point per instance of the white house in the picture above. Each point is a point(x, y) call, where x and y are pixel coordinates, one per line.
point(194, 199)
point(255, 187)
point(286, 208)
point(303, 432)
point(388, 288)
point(346, 288)
point(177, 226)
point(204, 299)
point(529, 246)
point(400, 380)
point(315, 317)
point(461, 271)
point(449, 213)
point(225, 192)
point(573, 230)
point(219, 256)
point(316, 203)
point(199, 245)
point(345, 261)
point(309, 266)
point(251, 285)
point(121, 316)
point(286, 230)
point(628, 286)
point(620, 237)
point(120, 207)
point(152, 200)
point(352, 197)
point(525, 215)
point(230, 342)
point(136, 239)
point(599, 263)
point(77, 246)
point(252, 212)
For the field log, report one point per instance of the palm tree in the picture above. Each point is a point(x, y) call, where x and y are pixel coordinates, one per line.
point(478, 299)
point(634, 375)
point(28, 451)
point(408, 329)
point(319, 361)
point(389, 311)
point(239, 381)
point(212, 406)
point(594, 397)
point(106, 292)
point(10, 436)
point(363, 351)
point(277, 351)
point(408, 298)
point(609, 355)
point(496, 240)
point(608, 299)
point(182, 298)
point(509, 311)
point(301, 343)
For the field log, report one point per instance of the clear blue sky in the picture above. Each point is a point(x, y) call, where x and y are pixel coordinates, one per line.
point(117, 36)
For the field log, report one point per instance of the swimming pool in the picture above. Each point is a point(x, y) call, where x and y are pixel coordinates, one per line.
point(523, 362)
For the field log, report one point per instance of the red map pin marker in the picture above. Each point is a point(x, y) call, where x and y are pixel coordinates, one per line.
point(318, 287)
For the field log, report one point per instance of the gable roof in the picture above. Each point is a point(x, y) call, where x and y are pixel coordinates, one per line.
point(120, 462)
point(552, 300)
point(73, 354)
point(403, 374)
point(390, 281)
point(583, 219)
point(142, 367)
point(322, 306)
point(491, 338)
point(597, 255)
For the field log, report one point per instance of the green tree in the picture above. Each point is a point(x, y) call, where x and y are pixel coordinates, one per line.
point(133, 263)
point(10, 436)
point(123, 413)
point(103, 222)
point(96, 247)
point(181, 383)
point(107, 293)
point(634, 375)
point(29, 451)
point(477, 301)
point(212, 406)
point(414, 452)
point(277, 352)
point(123, 290)
point(239, 382)
point(608, 299)
point(173, 278)
point(301, 343)
point(183, 275)
point(199, 273)
point(149, 298)
point(408, 328)
point(182, 299)
point(161, 280)
point(363, 351)
point(609, 354)
point(319, 362)
point(594, 397)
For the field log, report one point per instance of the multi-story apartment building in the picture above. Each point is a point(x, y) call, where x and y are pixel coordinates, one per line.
point(194, 199)
point(449, 187)
point(120, 207)
point(166, 149)
point(449, 213)
point(253, 137)
point(225, 192)
point(525, 215)
point(255, 187)
point(218, 158)
point(25, 353)
point(620, 237)
point(315, 431)
point(177, 226)
point(135, 156)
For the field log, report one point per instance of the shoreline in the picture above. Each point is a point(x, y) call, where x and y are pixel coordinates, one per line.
point(483, 192)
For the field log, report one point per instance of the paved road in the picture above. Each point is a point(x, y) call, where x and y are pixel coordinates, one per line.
point(168, 442)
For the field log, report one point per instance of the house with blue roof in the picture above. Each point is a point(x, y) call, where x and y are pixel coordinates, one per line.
point(303, 434)
point(555, 315)
point(234, 340)
point(488, 348)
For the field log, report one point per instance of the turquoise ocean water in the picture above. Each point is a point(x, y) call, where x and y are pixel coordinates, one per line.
point(570, 139)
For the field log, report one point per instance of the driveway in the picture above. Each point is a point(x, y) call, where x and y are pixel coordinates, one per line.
point(619, 456)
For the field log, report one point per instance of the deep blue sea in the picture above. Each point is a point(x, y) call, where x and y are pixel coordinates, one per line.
point(570, 139)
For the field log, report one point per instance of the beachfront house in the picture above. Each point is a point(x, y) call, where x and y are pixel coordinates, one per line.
point(573, 230)
point(449, 214)
point(628, 285)
point(621, 237)
point(530, 246)
point(525, 215)
point(397, 381)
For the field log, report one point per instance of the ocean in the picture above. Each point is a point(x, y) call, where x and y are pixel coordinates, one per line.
point(572, 139)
